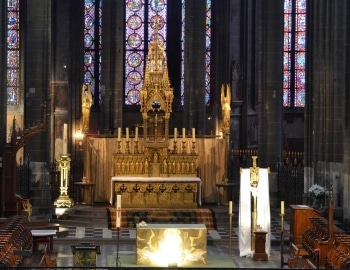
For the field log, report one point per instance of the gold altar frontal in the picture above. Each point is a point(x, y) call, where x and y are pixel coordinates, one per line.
point(157, 192)
point(171, 245)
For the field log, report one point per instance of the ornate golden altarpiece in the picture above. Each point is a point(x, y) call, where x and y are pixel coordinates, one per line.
point(155, 154)
point(156, 160)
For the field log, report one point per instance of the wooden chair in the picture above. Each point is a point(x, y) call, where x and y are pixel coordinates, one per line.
point(46, 260)
point(26, 206)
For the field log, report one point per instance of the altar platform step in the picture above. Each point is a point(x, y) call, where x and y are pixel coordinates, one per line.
point(130, 217)
point(85, 216)
point(100, 216)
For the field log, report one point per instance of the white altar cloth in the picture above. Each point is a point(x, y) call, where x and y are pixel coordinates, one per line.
point(156, 179)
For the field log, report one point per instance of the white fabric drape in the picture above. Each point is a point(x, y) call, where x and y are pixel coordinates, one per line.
point(263, 207)
point(245, 211)
point(245, 239)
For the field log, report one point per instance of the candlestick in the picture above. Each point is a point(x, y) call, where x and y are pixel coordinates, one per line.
point(282, 207)
point(65, 139)
point(193, 134)
point(127, 134)
point(118, 211)
point(183, 133)
point(119, 134)
point(136, 133)
point(230, 207)
point(175, 134)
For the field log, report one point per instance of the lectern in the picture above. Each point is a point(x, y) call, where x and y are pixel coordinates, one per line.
point(85, 254)
point(260, 240)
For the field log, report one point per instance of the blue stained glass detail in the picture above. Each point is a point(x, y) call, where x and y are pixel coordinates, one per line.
point(134, 59)
point(157, 5)
point(12, 39)
point(12, 20)
point(89, 4)
point(88, 59)
point(89, 22)
point(134, 78)
point(88, 41)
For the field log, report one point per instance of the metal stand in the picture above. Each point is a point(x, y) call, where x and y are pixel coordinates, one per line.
point(117, 259)
point(230, 235)
point(282, 239)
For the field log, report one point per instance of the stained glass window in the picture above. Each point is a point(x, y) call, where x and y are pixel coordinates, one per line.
point(13, 76)
point(143, 19)
point(92, 45)
point(294, 53)
point(208, 52)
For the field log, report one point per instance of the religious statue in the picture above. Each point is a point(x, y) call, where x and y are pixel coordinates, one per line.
point(86, 100)
point(226, 107)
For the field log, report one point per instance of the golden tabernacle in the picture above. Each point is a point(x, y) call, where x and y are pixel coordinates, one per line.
point(157, 176)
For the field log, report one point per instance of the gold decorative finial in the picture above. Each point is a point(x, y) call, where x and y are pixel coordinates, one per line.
point(254, 173)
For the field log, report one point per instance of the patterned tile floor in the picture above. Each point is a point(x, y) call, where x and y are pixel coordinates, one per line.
point(221, 233)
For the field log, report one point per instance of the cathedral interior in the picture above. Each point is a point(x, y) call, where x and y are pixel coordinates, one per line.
point(190, 88)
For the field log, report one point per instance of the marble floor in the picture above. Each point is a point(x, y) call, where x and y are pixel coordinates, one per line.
point(220, 252)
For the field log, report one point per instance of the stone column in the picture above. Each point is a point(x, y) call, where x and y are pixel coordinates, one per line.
point(270, 81)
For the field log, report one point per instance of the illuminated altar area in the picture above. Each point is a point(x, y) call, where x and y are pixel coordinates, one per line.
point(171, 245)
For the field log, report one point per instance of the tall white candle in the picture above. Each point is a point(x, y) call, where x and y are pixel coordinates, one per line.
point(193, 134)
point(230, 207)
point(183, 133)
point(175, 134)
point(127, 133)
point(65, 139)
point(118, 212)
point(136, 133)
point(119, 134)
point(282, 207)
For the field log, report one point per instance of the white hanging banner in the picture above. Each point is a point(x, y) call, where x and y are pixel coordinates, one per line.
point(245, 220)
point(263, 207)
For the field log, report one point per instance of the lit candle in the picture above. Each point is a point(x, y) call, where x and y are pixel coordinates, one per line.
point(282, 207)
point(127, 134)
point(183, 133)
point(230, 207)
point(136, 133)
point(175, 134)
point(65, 139)
point(118, 212)
point(193, 134)
point(119, 134)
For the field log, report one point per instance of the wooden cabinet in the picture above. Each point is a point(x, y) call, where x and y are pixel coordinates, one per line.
point(300, 221)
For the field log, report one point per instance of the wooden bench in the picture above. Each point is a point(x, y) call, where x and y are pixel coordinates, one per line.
point(309, 265)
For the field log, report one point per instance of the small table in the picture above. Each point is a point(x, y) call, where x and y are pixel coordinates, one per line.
point(81, 187)
point(37, 234)
point(225, 187)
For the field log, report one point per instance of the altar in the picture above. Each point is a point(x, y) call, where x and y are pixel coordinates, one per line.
point(149, 165)
point(157, 192)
